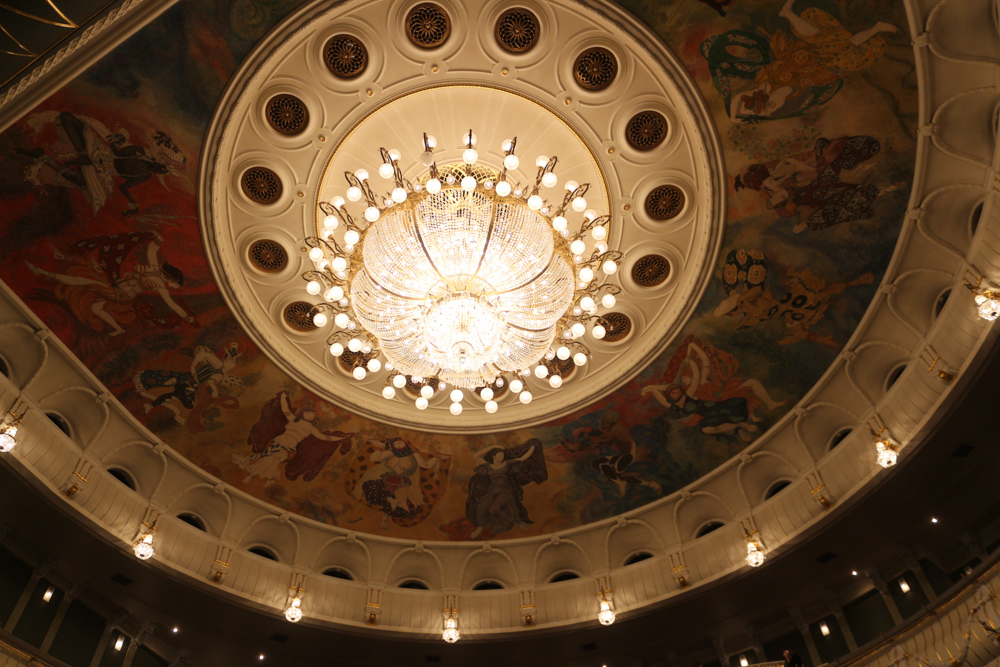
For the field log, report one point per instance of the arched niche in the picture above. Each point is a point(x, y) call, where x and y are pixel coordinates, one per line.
point(141, 462)
point(412, 564)
point(552, 558)
point(633, 537)
point(23, 352)
point(344, 554)
point(492, 565)
point(273, 533)
point(80, 409)
point(697, 510)
point(761, 471)
point(206, 503)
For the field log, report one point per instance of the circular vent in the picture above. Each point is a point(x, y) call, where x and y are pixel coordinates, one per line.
point(298, 316)
point(651, 270)
point(595, 68)
point(561, 367)
point(664, 203)
point(287, 114)
point(268, 256)
point(261, 185)
point(646, 130)
point(517, 30)
point(345, 56)
point(427, 25)
point(351, 360)
point(619, 326)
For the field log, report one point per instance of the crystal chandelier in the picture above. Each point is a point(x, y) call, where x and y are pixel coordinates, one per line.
point(450, 633)
point(606, 615)
point(143, 547)
point(755, 553)
point(885, 453)
point(9, 426)
point(463, 279)
point(294, 612)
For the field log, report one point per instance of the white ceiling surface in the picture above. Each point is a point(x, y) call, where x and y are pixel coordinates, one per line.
point(585, 129)
point(955, 172)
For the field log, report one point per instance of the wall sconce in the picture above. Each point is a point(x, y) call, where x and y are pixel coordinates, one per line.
point(987, 299)
point(143, 545)
point(755, 550)
point(9, 425)
point(607, 614)
point(824, 629)
point(293, 614)
point(886, 452)
point(450, 633)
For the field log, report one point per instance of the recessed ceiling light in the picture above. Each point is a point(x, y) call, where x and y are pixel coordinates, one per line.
point(260, 657)
point(824, 629)
point(176, 630)
point(854, 572)
point(903, 585)
point(934, 519)
point(47, 595)
point(120, 642)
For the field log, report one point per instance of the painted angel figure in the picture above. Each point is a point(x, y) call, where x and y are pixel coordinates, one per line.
point(617, 467)
point(281, 436)
point(108, 278)
point(91, 158)
point(706, 393)
point(397, 480)
point(495, 490)
point(170, 388)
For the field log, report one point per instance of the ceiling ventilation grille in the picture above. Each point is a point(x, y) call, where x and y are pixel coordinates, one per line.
point(261, 185)
point(595, 68)
point(345, 56)
point(268, 256)
point(427, 25)
point(287, 114)
point(618, 328)
point(651, 270)
point(646, 130)
point(561, 367)
point(664, 203)
point(517, 30)
point(298, 316)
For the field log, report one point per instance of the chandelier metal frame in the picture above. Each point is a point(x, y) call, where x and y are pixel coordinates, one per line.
point(337, 263)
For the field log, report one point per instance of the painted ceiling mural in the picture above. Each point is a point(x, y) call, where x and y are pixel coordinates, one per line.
point(815, 101)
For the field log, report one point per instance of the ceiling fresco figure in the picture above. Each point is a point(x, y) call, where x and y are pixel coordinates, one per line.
point(400, 482)
point(706, 393)
point(802, 306)
point(617, 468)
point(810, 187)
point(106, 280)
point(495, 490)
point(90, 158)
point(764, 76)
point(284, 436)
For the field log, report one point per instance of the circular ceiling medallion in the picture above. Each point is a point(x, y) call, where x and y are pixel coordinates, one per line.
point(298, 316)
point(267, 256)
point(517, 30)
point(619, 326)
point(287, 114)
point(595, 68)
point(261, 185)
point(345, 56)
point(651, 270)
point(646, 130)
point(477, 96)
point(664, 203)
point(428, 25)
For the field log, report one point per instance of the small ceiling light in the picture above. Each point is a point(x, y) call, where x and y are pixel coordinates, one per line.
point(743, 661)
point(450, 633)
point(120, 642)
point(903, 585)
point(606, 615)
point(47, 595)
point(176, 630)
point(260, 657)
point(934, 519)
point(824, 629)
point(854, 573)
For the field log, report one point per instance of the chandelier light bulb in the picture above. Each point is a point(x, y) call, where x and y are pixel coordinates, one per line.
point(432, 142)
point(336, 293)
point(469, 139)
point(608, 300)
point(336, 349)
point(374, 365)
point(427, 391)
point(455, 409)
point(398, 195)
point(394, 155)
point(578, 329)
point(989, 306)
point(571, 186)
point(525, 397)
point(599, 233)
point(354, 345)
point(469, 183)
point(610, 267)
point(353, 193)
point(143, 549)
point(331, 222)
point(586, 274)
point(315, 254)
point(563, 352)
point(421, 403)
point(385, 170)
point(486, 394)
point(456, 395)
point(433, 186)
point(511, 162)
point(549, 179)
point(506, 145)
point(338, 202)
point(503, 187)
point(541, 372)
point(313, 287)
point(372, 214)
point(470, 156)
point(541, 160)
point(341, 320)
point(559, 223)
point(551, 354)
point(599, 331)
point(755, 554)
point(338, 263)
point(606, 615)
point(399, 381)
point(516, 386)
point(450, 633)
point(535, 202)
point(587, 303)
point(294, 612)
point(577, 247)
point(359, 373)
point(555, 381)
point(579, 204)
point(320, 319)
point(492, 407)
point(351, 237)
point(361, 174)
point(8, 439)
point(580, 359)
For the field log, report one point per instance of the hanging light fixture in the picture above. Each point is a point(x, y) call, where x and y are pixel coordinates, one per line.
point(755, 550)
point(294, 612)
point(886, 454)
point(466, 279)
point(987, 299)
point(607, 614)
point(450, 633)
point(143, 547)
point(9, 426)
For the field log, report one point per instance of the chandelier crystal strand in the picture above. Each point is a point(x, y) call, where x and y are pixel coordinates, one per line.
point(460, 280)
